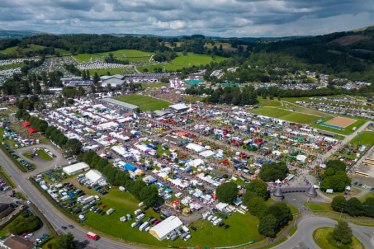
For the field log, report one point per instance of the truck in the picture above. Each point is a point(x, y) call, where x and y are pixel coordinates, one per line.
point(92, 235)
point(110, 211)
point(86, 200)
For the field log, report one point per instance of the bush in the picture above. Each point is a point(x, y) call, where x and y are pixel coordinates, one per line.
point(27, 224)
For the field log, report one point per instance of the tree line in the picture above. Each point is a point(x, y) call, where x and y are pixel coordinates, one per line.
point(115, 176)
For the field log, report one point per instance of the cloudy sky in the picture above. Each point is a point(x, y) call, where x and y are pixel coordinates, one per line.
point(226, 18)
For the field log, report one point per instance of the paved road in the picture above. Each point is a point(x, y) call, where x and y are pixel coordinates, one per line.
point(50, 212)
point(306, 226)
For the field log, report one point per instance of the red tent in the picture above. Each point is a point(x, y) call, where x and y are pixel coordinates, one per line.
point(32, 130)
point(26, 124)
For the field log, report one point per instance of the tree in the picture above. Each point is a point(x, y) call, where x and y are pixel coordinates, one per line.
point(368, 207)
point(336, 165)
point(354, 207)
point(268, 226)
point(338, 203)
point(149, 195)
point(66, 241)
point(271, 172)
point(257, 207)
point(342, 232)
point(136, 188)
point(227, 192)
point(281, 212)
point(259, 187)
point(74, 146)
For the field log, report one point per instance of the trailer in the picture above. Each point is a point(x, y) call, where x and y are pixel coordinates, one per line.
point(92, 235)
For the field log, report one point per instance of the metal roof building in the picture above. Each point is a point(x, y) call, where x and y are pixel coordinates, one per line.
point(120, 104)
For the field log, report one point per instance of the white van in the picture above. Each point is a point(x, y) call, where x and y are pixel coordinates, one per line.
point(138, 211)
point(97, 197)
point(134, 224)
point(140, 204)
point(143, 226)
point(139, 217)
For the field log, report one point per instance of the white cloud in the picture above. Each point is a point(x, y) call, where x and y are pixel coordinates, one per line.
point(170, 17)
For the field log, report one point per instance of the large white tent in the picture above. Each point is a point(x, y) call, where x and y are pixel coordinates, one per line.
point(94, 176)
point(165, 227)
point(76, 168)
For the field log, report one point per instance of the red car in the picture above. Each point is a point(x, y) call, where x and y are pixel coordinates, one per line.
point(103, 206)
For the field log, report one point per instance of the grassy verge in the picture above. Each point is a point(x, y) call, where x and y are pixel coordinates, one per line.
point(52, 242)
point(292, 231)
point(7, 178)
point(283, 239)
point(370, 194)
point(324, 240)
point(27, 155)
point(21, 195)
point(44, 220)
point(318, 207)
point(20, 167)
point(44, 155)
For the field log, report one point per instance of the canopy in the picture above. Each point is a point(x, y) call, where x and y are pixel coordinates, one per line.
point(26, 124)
point(32, 130)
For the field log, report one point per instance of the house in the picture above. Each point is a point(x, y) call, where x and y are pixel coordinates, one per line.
point(17, 242)
point(5, 209)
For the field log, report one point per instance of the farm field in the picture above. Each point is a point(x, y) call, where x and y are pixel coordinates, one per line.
point(145, 103)
point(184, 61)
point(13, 50)
point(366, 137)
point(112, 71)
point(269, 102)
point(285, 115)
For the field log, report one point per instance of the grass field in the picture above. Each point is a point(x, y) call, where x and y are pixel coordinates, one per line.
point(318, 207)
point(44, 155)
point(123, 54)
point(348, 130)
point(243, 228)
point(11, 66)
point(286, 115)
point(9, 50)
point(153, 85)
point(326, 241)
point(145, 103)
point(370, 194)
point(268, 102)
point(112, 71)
point(184, 61)
point(366, 137)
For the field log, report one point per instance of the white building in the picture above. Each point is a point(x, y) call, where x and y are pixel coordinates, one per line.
point(76, 168)
point(164, 228)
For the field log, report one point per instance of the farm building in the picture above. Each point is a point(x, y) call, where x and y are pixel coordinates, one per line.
point(76, 168)
point(164, 228)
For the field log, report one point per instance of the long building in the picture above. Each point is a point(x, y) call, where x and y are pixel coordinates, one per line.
point(121, 104)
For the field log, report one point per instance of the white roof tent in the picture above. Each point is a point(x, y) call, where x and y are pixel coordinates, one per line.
point(94, 176)
point(76, 168)
point(165, 227)
point(179, 107)
point(120, 104)
point(195, 147)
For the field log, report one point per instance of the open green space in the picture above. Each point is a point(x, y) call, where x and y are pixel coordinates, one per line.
point(184, 61)
point(9, 50)
point(52, 242)
point(131, 55)
point(243, 228)
point(348, 130)
point(318, 207)
point(145, 103)
point(44, 155)
point(11, 66)
point(269, 102)
point(152, 85)
point(285, 115)
point(293, 209)
point(27, 155)
point(111, 71)
point(324, 240)
point(366, 137)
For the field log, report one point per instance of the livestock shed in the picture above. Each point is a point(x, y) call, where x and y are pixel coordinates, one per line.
point(76, 168)
point(94, 176)
point(120, 104)
point(164, 228)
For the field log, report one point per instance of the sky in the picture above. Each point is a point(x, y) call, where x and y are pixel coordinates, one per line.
point(224, 18)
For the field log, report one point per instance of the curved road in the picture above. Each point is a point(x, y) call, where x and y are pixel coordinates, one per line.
point(54, 216)
point(304, 233)
point(306, 226)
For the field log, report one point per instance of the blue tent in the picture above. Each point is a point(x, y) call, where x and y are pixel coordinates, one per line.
point(129, 167)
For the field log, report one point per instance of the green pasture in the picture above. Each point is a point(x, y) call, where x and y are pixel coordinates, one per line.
point(285, 115)
point(145, 103)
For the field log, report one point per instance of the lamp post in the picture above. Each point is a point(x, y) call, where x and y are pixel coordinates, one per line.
point(341, 213)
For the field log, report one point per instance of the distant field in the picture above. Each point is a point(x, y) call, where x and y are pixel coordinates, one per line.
point(366, 137)
point(145, 103)
point(8, 50)
point(123, 54)
point(12, 66)
point(153, 85)
point(184, 61)
point(112, 71)
point(268, 102)
point(286, 115)
point(14, 50)
point(225, 46)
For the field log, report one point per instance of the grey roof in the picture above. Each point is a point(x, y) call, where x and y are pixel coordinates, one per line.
point(278, 192)
point(120, 103)
point(311, 191)
point(113, 81)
